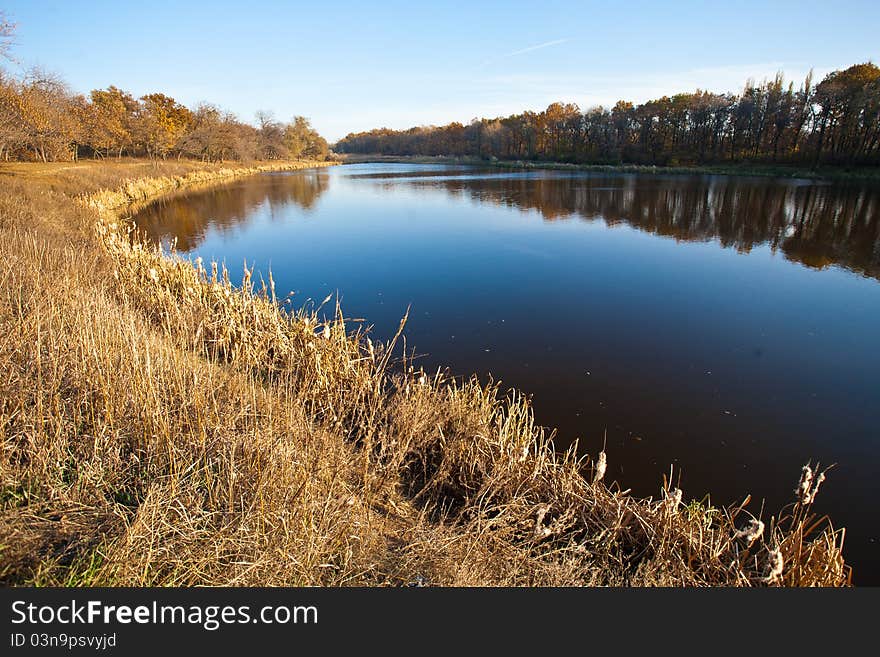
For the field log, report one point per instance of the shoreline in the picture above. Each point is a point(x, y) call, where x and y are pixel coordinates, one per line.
point(837, 174)
point(195, 433)
point(146, 190)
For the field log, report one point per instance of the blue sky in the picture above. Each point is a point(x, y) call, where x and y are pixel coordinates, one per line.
point(352, 66)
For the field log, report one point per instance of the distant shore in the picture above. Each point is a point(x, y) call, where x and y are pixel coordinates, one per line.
point(861, 174)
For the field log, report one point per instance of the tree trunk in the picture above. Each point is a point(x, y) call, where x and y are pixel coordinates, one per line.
point(820, 141)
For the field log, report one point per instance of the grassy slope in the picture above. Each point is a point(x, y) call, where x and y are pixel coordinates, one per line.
point(159, 427)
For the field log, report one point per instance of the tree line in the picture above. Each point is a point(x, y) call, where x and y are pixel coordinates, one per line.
point(41, 119)
point(836, 121)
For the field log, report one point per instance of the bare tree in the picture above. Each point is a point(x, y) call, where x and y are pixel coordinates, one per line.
point(7, 33)
point(271, 137)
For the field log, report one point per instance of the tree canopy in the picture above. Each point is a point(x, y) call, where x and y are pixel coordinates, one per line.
point(834, 122)
point(42, 119)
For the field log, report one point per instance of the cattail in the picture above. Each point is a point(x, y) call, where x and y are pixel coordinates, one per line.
point(326, 332)
point(811, 497)
point(370, 349)
point(673, 499)
point(540, 530)
point(601, 465)
point(774, 566)
point(804, 485)
point(154, 275)
point(819, 481)
point(752, 532)
point(423, 380)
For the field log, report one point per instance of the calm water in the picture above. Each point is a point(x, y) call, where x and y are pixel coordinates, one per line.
point(725, 326)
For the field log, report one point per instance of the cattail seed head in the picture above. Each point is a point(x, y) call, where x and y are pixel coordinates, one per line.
point(752, 532)
point(601, 465)
point(819, 481)
point(805, 485)
point(810, 497)
point(673, 499)
point(775, 564)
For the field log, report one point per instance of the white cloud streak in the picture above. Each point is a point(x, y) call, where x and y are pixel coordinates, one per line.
point(538, 47)
point(523, 51)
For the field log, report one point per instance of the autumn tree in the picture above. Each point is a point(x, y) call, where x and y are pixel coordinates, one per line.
point(49, 124)
point(12, 133)
point(160, 123)
point(215, 135)
point(302, 140)
point(111, 120)
point(206, 136)
point(272, 144)
point(847, 112)
point(836, 121)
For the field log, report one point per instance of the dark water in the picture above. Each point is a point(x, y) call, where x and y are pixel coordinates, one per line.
point(725, 326)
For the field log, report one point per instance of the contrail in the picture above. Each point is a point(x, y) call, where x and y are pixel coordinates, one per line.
point(538, 47)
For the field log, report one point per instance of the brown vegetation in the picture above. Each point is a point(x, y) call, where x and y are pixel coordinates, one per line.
point(834, 122)
point(42, 120)
point(160, 427)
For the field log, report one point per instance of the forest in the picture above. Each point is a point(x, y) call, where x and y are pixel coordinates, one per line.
point(834, 122)
point(41, 119)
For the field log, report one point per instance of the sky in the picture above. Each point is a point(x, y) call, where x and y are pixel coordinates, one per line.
point(352, 66)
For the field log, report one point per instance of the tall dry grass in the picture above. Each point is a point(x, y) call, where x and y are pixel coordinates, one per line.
point(162, 427)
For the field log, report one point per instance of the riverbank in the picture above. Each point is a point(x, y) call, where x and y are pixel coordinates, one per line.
point(839, 174)
point(161, 427)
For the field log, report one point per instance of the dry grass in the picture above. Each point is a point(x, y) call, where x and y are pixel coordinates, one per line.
point(160, 427)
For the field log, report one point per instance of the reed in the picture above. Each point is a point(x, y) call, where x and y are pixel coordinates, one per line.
point(161, 426)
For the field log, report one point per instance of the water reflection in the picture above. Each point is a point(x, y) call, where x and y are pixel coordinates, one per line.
point(187, 216)
point(815, 225)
